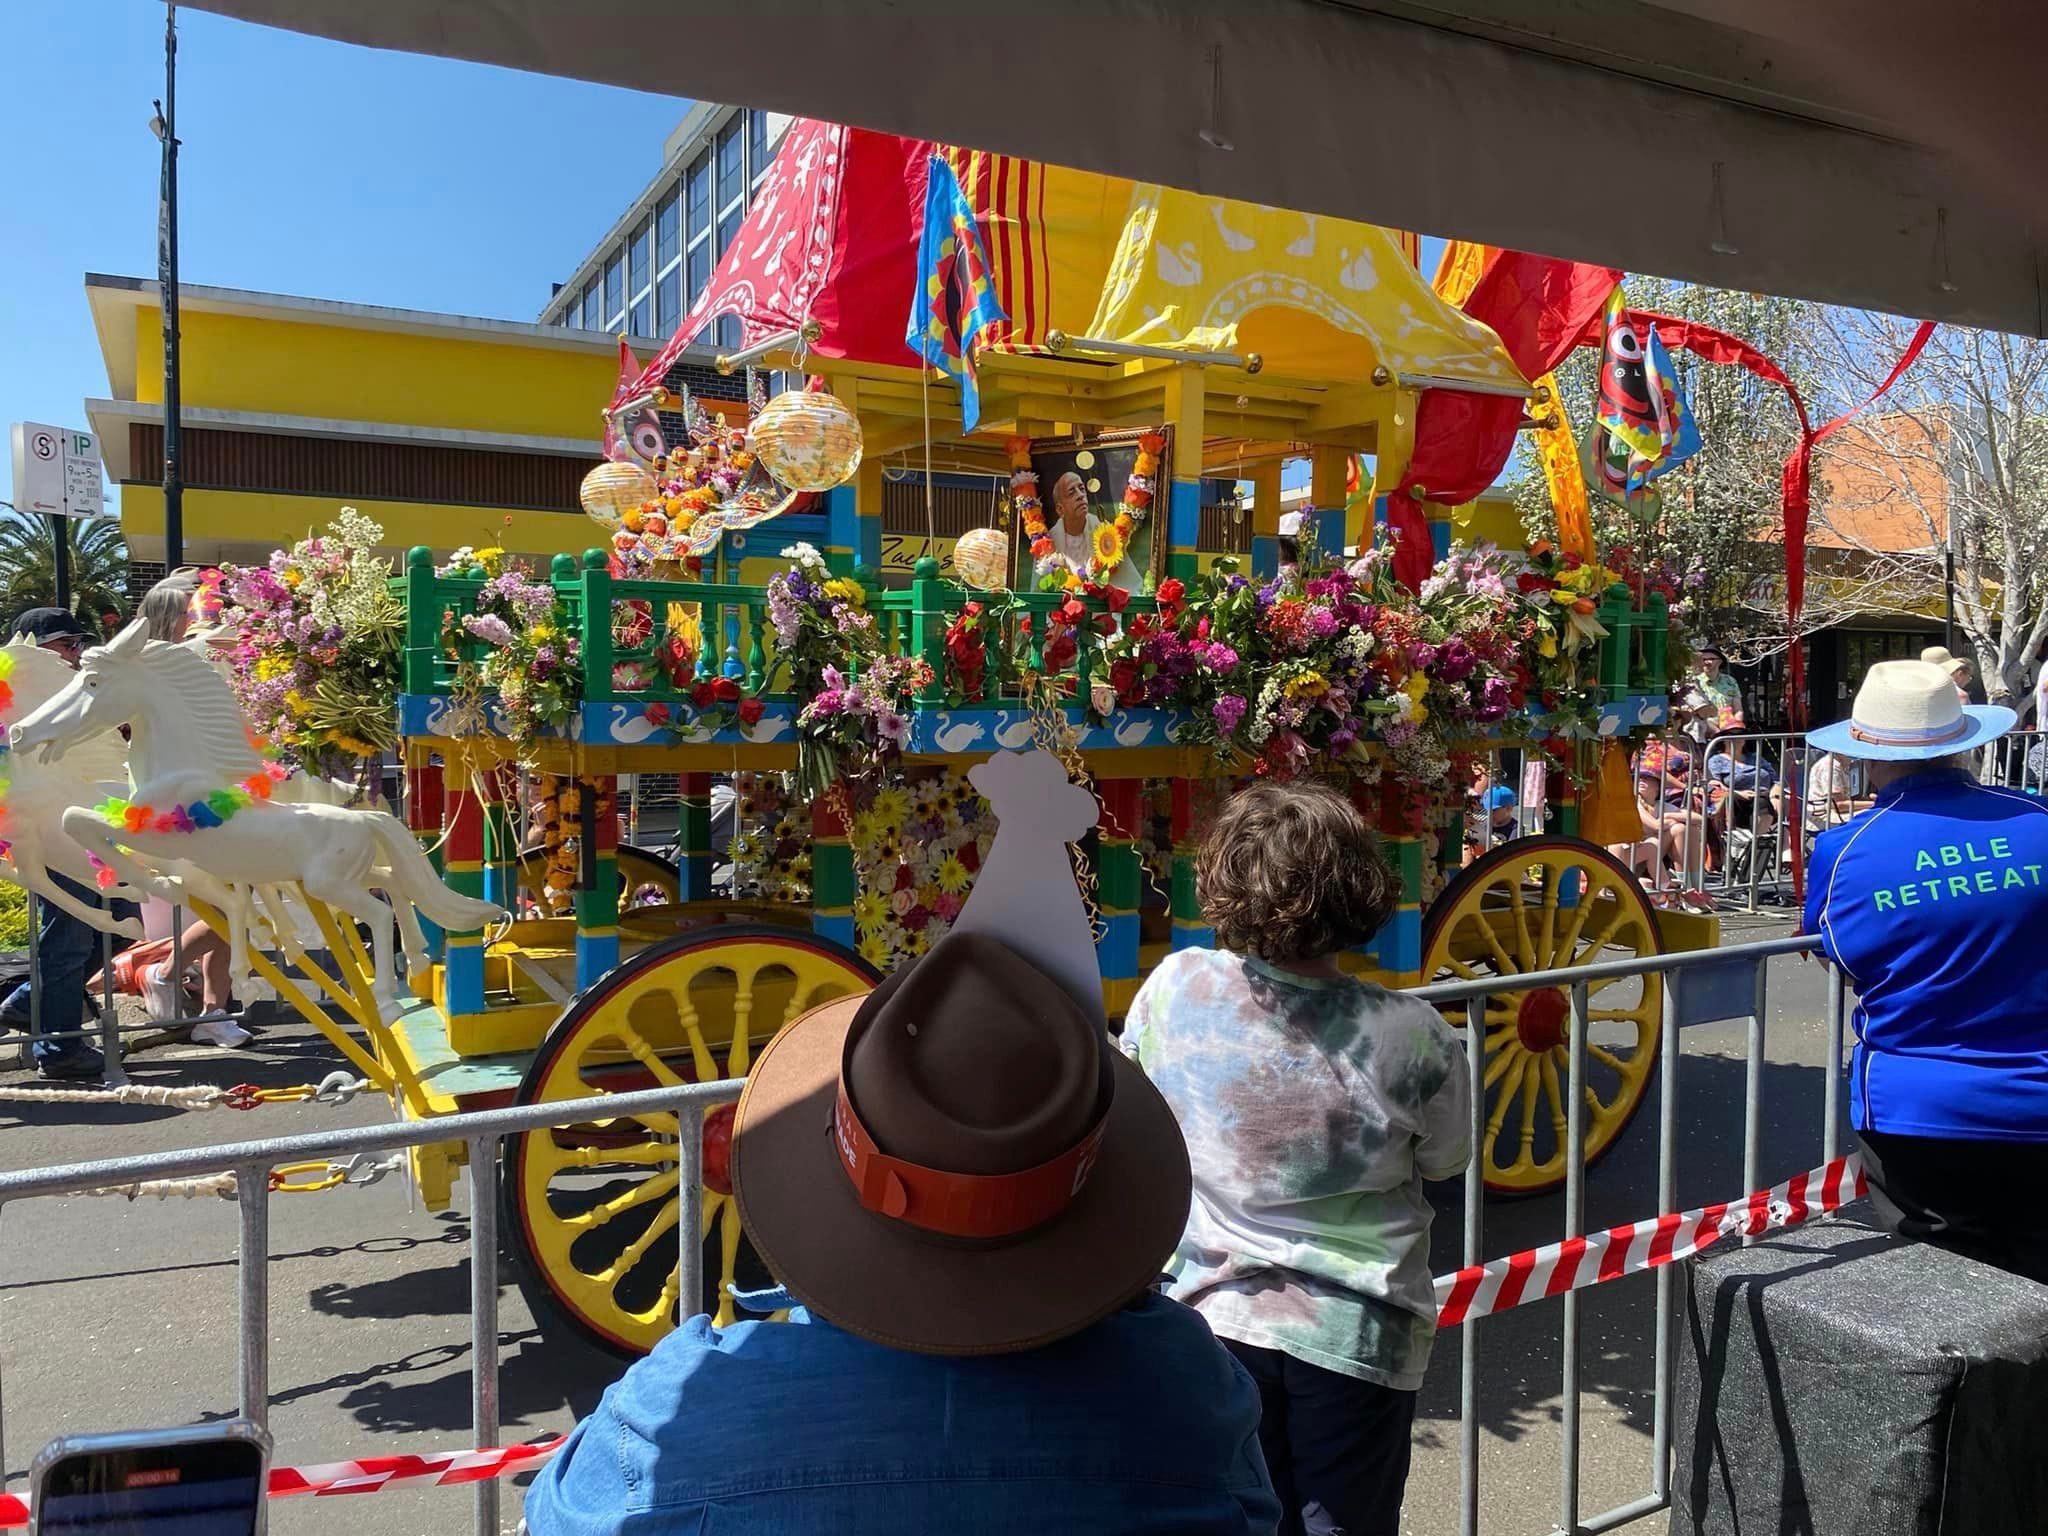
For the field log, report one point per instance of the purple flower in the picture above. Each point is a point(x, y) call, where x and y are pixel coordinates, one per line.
point(1322, 623)
point(489, 628)
point(1493, 698)
point(1221, 658)
point(1455, 662)
point(1420, 655)
point(1342, 737)
point(830, 702)
point(833, 679)
point(1229, 710)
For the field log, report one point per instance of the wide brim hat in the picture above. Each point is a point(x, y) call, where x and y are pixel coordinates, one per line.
point(1907, 711)
point(885, 1279)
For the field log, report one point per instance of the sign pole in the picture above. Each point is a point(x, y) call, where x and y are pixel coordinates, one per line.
point(167, 279)
point(60, 540)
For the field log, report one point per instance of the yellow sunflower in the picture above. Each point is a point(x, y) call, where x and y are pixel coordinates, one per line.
point(915, 944)
point(874, 949)
point(870, 911)
point(1108, 544)
point(952, 876)
point(890, 806)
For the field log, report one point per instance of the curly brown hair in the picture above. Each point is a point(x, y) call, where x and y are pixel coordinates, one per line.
point(1291, 872)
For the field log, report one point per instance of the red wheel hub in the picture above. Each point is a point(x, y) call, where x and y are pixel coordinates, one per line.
point(718, 1150)
point(1540, 1024)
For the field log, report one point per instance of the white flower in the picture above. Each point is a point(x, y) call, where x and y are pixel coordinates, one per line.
point(806, 556)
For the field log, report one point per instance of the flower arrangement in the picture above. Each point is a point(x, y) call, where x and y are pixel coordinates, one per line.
point(771, 851)
point(516, 644)
point(966, 677)
point(317, 666)
point(859, 695)
point(918, 847)
point(695, 477)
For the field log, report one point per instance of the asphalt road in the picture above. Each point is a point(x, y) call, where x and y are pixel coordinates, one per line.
point(117, 1316)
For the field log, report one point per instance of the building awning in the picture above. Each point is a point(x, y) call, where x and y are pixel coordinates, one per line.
point(1852, 151)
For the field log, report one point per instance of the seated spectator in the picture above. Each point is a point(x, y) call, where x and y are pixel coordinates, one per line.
point(1314, 1107)
point(1830, 795)
point(968, 1194)
point(1744, 782)
point(1935, 907)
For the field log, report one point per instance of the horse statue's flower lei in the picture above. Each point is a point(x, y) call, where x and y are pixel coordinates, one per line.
point(214, 810)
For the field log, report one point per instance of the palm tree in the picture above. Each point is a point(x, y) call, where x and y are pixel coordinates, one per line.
point(28, 565)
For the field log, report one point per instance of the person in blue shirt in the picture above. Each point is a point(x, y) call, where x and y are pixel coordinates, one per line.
point(969, 1197)
point(1934, 904)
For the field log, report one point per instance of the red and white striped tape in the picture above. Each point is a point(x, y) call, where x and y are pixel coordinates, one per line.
point(373, 1474)
point(1577, 1262)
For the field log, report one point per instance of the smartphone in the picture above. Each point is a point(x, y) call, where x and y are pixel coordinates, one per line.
point(205, 1480)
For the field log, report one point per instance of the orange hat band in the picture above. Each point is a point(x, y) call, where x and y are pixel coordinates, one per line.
point(960, 1204)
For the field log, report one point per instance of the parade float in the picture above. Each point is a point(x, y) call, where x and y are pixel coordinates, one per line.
point(1098, 351)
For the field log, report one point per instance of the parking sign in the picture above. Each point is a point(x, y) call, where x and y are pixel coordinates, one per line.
point(57, 471)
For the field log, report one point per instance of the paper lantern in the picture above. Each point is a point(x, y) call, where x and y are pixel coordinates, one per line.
point(982, 558)
point(808, 441)
point(613, 489)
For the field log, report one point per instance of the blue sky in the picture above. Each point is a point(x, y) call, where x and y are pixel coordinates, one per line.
point(307, 167)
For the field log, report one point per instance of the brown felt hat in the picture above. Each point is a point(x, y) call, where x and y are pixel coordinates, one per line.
point(959, 1162)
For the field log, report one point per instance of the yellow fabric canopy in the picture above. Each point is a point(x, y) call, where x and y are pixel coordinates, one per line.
point(1316, 297)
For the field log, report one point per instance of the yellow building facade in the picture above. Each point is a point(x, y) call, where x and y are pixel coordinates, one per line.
point(447, 430)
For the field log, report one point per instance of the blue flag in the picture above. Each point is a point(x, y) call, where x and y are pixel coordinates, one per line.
point(956, 293)
point(1678, 437)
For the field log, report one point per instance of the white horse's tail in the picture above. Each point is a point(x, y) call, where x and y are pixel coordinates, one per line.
point(413, 874)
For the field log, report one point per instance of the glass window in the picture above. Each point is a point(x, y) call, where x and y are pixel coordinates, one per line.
point(700, 269)
point(729, 226)
point(699, 196)
point(731, 174)
point(642, 274)
point(668, 227)
point(668, 295)
point(615, 291)
point(593, 316)
point(729, 332)
point(757, 143)
point(643, 315)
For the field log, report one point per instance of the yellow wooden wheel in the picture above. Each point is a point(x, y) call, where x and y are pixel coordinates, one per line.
point(644, 876)
point(592, 1207)
point(1539, 904)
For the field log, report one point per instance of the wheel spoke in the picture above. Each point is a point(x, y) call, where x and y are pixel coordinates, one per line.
point(629, 1256)
point(1531, 1081)
point(1601, 1054)
point(660, 1186)
point(1519, 1063)
point(1525, 947)
point(729, 1258)
point(700, 1052)
point(1507, 964)
point(1555, 1095)
point(1502, 1059)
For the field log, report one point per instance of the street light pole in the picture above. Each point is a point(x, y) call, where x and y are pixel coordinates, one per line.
point(166, 126)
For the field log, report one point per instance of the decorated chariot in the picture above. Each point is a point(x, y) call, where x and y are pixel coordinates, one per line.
point(736, 627)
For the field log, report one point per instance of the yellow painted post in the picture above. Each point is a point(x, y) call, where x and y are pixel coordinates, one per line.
point(1266, 519)
point(1183, 525)
point(1328, 467)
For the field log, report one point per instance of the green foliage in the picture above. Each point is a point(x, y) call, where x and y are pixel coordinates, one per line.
point(13, 917)
point(1714, 522)
point(28, 566)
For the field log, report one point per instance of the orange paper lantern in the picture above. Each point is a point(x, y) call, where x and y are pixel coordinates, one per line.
point(982, 558)
point(808, 441)
point(613, 489)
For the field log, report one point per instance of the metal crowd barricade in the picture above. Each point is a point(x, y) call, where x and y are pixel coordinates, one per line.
point(2018, 761)
point(1702, 987)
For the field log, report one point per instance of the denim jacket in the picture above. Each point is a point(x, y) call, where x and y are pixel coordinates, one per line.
point(1139, 1424)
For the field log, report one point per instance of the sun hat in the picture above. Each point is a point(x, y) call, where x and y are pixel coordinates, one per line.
point(958, 1162)
point(1714, 651)
point(1941, 656)
point(1290, 525)
point(1907, 711)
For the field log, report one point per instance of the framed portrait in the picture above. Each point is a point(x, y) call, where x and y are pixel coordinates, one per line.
point(1082, 487)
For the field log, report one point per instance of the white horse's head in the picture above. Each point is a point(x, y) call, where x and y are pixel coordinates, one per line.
point(107, 691)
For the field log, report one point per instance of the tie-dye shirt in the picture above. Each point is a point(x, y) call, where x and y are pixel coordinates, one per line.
point(1313, 1111)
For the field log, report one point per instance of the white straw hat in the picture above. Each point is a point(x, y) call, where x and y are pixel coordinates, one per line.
point(1907, 711)
point(1941, 656)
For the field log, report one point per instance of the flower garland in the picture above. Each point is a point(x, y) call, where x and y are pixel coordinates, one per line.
point(1111, 541)
point(215, 810)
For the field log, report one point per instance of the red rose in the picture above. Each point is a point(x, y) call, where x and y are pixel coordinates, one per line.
point(725, 690)
point(704, 695)
point(915, 919)
point(1531, 581)
point(750, 711)
point(1123, 676)
point(970, 857)
point(969, 609)
point(657, 714)
point(1171, 591)
point(904, 878)
point(1060, 653)
point(1117, 598)
point(1071, 611)
point(1105, 623)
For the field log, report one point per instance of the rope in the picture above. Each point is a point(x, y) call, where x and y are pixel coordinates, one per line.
point(221, 1184)
point(335, 1088)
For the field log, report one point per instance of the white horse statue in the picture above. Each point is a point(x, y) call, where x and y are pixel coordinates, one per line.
point(203, 801)
point(35, 796)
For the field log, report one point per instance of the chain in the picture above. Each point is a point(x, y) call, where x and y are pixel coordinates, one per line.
point(292, 1179)
point(1053, 732)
